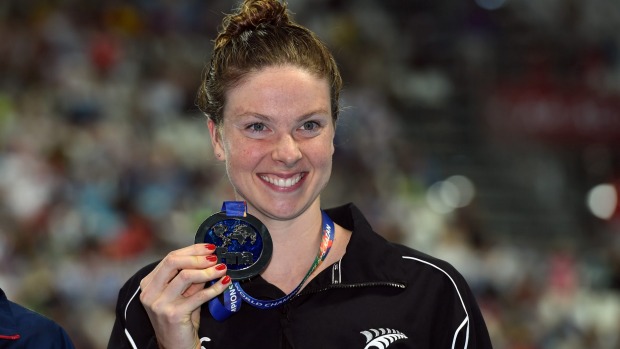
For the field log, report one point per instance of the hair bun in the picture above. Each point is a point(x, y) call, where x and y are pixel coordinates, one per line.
point(253, 14)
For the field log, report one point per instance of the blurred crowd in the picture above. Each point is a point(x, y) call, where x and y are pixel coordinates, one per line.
point(105, 162)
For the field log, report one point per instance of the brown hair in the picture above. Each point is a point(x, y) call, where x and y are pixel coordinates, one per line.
point(258, 35)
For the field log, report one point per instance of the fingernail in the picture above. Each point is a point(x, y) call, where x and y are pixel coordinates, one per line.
point(212, 258)
point(210, 247)
point(226, 280)
point(220, 266)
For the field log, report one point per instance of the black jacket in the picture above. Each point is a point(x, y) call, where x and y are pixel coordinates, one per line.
point(379, 295)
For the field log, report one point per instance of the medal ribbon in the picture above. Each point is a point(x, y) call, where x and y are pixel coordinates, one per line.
point(234, 294)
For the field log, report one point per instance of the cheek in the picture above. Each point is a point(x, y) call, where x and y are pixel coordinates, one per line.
point(242, 155)
point(236, 148)
point(324, 165)
point(322, 155)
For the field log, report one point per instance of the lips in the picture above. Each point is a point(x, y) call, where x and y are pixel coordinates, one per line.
point(282, 182)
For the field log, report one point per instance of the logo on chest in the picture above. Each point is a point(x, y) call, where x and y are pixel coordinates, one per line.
point(381, 338)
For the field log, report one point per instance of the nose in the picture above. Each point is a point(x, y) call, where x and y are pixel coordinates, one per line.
point(287, 150)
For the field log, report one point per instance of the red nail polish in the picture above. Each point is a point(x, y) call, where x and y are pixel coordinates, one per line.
point(212, 258)
point(220, 266)
point(226, 280)
point(210, 247)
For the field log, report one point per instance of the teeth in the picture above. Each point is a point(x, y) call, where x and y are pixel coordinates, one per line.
point(284, 183)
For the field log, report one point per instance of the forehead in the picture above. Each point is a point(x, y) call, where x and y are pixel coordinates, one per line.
point(278, 90)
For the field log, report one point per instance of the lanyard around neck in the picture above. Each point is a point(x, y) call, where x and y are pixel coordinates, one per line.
point(234, 295)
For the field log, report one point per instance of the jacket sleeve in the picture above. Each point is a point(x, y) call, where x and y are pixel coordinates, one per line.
point(479, 334)
point(467, 328)
point(64, 341)
point(132, 328)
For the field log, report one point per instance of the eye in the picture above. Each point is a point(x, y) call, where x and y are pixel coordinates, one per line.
point(257, 127)
point(310, 126)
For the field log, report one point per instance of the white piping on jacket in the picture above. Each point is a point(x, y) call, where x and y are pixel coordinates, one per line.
point(466, 320)
point(133, 344)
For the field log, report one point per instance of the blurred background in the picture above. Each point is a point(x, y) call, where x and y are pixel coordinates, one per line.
point(484, 132)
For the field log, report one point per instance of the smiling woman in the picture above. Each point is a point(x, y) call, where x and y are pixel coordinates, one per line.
point(271, 97)
point(277, 139)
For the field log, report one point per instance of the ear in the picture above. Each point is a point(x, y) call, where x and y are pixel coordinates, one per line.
point(216, 140)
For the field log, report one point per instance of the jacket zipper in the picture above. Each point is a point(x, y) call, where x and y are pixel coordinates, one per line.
point(358, 285)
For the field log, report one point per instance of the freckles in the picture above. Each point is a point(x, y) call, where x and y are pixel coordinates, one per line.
point(236, 147)
point(248, 152)
point(245, 155)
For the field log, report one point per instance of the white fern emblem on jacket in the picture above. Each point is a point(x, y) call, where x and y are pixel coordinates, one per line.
point(204, 339)
point(382, 337)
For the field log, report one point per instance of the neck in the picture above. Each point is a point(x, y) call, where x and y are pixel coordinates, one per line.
point(295, 231)
point(295, 246)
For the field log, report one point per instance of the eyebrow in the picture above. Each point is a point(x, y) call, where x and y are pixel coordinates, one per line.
point(313, 113)
point(299, 118)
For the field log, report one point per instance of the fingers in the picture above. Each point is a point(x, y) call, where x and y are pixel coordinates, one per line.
point(181, 283)
point(179, 271)
point(176, 321)
point(173, 306)
point(174, 291)
point(205, 294)
point(197, 256)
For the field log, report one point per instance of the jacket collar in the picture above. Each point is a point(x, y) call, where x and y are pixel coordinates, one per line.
point(8, 327)
point(369, 260)
point(369, 257)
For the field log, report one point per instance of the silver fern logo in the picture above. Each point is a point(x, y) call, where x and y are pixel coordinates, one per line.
point(381, 338)
point(204, 339)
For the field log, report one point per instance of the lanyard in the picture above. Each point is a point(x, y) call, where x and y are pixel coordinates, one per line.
point(234, 294)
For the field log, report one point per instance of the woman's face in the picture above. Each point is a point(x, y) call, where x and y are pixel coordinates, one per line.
point(277, 140)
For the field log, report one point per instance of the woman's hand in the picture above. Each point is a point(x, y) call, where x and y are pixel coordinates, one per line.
point(174, 291)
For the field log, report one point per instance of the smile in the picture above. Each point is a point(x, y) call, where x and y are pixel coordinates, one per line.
point(281, 182)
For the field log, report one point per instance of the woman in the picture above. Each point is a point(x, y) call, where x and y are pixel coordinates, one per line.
point(271, 98)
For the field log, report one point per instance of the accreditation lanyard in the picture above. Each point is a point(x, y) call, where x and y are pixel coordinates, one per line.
point(234, 294)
